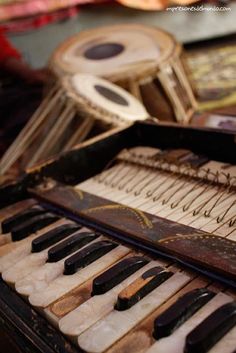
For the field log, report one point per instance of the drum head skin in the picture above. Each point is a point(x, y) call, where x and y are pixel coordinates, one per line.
point(114, 52)
point(106, 97)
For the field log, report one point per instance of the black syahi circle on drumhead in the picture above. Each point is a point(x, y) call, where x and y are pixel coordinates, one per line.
point(111, 95)
point(103, 51)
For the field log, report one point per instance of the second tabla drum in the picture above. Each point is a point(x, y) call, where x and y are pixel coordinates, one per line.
point(80, 107)
point(146, 61)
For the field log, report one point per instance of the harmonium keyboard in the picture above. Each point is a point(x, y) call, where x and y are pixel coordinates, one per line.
point(125, 244)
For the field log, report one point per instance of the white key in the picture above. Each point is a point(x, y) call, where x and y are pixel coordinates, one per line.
point(95, 308)
point(107, 331)
point(41, 277)
point(65, 283)
point(24, 247)
point(5, 238)
point(29, 263)
point(232, 235)
point(176, 341)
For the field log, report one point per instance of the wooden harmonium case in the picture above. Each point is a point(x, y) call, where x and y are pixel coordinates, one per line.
point(126, 244)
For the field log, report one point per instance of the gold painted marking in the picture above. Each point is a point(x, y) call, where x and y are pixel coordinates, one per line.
point(139, 215)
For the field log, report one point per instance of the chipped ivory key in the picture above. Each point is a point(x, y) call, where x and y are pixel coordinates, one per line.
point(141, 287)
point(64, 283)
point(44, 275)
point(22, 248)
point(39, 253)
point(107, 331)
point(95, 308)
point(108, 279)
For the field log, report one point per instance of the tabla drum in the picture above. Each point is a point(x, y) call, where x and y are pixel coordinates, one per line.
point(69, 114)
point(144, 60)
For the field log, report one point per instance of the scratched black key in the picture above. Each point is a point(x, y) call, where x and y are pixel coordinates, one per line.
point(117, 273)
point(31, 226)
point(53, 236)
point(12, 222)
point(68, 246)
point(180, 311)
point(141, 287)
point(88, 255)
point(211, 330)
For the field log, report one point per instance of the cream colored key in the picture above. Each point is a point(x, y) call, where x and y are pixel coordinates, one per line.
point(167, 212)
point(5, 239)
point(168, 185)
point(94, 186)
point(232, 235)
point(204, 221)
point(107, 331)
point(120, 191)
point(65, 283)
point(29, 263)
point(176, 341)
point(200, 199)
point(156, 207)
point(24, 247)
point(213, 225)
point(174, 214)
point(161, 184)
point(226, 344)
point(94, 309)
point(224, 229)
point(9, 247)
point(42, 276)
point(130, 199)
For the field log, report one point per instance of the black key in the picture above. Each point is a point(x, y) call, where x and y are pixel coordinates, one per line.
point(117, 273)
point(53, 236)
point(211, 330)
point(12, 222)
point(141, 287)
point(180, 311)
point(86, 256)
point(31, 226)
point(67, 247)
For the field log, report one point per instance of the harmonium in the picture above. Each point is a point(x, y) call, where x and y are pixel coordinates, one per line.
point(124, 244)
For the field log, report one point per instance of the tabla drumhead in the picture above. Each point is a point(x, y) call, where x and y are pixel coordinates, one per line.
point(115, 50)
point(107, 97)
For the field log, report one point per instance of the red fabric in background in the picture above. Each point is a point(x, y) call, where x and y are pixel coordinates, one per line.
point(6, 49)
point(30, 23)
